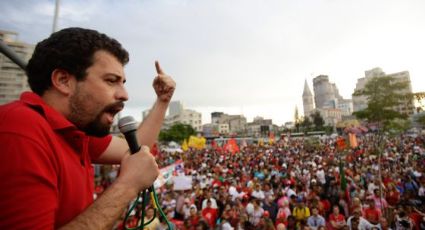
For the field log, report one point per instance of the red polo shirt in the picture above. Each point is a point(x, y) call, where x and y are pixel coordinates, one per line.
point(46, 176)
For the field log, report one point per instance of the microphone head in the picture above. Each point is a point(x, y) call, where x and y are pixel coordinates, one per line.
point(127, 124)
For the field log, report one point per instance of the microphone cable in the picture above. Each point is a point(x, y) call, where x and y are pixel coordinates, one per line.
point(128, 126)
point(156, 208)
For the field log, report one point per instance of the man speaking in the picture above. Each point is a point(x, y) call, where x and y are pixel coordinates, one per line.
point(52, 135)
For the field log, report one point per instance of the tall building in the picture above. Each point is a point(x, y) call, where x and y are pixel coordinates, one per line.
point(178, 114)
point(329, 103)
point(308, 103)
point(360, 102)
point(260, 127)
point(331, 116)
point(326, 94)
point(175, 107)
point(236, 123)
point(346, 107)
point(13, 80)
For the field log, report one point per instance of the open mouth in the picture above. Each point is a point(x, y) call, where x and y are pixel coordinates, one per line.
point(112, 110)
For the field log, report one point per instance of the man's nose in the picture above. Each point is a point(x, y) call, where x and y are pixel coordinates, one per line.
point(122, 94)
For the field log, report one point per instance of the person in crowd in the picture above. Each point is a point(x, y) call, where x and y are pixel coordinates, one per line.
point(150, 216)
point(258, 193)
point(180, 201)
point(169, 203)
point(336, 219)
point(356, 221)
point(208, 197)
point(186, 208)
point(402, 220)
point(301, 211)
point(281, 226)
point(194, 217)
point(291, 223)
point(315, 220)
point(271, 206)
point(383, 224)
point(372, 213)
point(210, 214)
point(256, 213)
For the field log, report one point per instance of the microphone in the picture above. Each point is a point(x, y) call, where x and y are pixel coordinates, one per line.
point(128, 126)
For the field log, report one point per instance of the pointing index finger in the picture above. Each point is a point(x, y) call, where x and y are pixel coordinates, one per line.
point(158, 68)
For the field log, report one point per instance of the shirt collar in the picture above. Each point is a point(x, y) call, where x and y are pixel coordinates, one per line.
point(56, 120)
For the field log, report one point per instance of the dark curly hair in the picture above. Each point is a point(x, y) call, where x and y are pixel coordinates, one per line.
point(72, 50)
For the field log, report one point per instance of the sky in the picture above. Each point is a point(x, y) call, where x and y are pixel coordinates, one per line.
point(247, 57)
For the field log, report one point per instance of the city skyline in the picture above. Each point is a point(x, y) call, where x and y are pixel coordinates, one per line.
point(242, 57)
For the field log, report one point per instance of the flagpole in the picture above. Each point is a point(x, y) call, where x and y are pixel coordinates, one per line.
point(55, 17)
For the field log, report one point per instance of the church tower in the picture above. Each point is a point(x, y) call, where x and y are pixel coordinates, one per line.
point(308, 103)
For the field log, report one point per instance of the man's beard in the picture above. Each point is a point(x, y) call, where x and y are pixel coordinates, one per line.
point(80, 113)
point(96, 127)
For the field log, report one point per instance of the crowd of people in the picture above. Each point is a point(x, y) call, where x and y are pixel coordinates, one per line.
point(297, 183)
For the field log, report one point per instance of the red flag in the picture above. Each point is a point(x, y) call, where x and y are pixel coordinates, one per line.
point(213, 144)
point(340, 143)
point(231, 146)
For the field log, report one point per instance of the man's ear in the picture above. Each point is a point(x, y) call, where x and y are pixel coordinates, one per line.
point(62, 81)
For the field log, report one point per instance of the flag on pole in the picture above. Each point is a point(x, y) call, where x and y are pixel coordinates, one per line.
point(343, 182)
point(353, 140)
point(342, 178)
point(197, 142)
point(231, 146)
point(271, 138)
point(185, 147)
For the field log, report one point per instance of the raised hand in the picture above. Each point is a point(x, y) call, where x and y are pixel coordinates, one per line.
point(163, 84)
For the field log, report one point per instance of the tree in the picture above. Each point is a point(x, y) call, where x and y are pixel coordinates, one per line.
point(306, 123)
point(383, 94)
point(398, 126)
point(421, 120)
point(177, 133)
point(317, 119)
point(419, 98)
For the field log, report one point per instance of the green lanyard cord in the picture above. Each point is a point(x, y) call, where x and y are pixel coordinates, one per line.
point(158, 208)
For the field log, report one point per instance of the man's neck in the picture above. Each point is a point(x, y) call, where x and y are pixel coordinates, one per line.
point(57, 101)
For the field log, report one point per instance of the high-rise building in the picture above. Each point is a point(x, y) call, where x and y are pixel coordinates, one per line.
point(175, 107)
point(308, 103)
point(360, 102)
point(178, 114)
point(346, 107)
point(13, 80)
point(260, 127)
point(187, 117)
point(329, 103)
point(326, 94)
point(236, 123)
